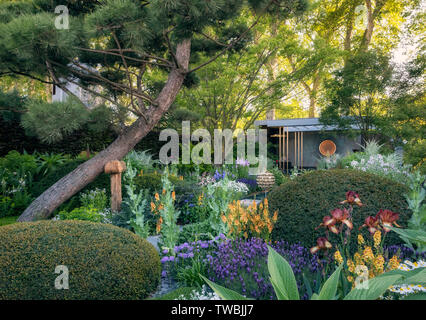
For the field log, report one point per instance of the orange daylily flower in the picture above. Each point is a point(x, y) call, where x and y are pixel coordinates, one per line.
point(322, 244)
point(352, 198)
point(372, 223)
point(387, 218)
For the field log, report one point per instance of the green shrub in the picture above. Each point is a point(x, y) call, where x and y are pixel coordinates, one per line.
point(101, 182)
point(14, 161)
point(152, 182)
point(82, 213)
point(6, 208)
point(104, 261)
point(303, 202)
point(196, 231)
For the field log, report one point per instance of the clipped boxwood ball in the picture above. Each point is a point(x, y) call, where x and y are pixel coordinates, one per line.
point(304, 201)
point(104, 261)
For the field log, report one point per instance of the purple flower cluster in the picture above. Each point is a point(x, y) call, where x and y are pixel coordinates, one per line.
point(188, 250)
point(219, 175)
point(403, 252)
point(241, 265)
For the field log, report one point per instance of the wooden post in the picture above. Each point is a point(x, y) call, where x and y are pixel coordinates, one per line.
point(115, 168)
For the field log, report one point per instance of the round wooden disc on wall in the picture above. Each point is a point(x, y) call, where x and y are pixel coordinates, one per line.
point(327, 148)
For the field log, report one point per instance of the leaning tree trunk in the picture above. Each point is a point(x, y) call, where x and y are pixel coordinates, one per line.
point(65, 188)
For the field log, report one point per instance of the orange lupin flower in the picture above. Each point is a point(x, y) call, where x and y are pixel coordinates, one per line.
point(152, 207)
point(157, 197)
point(275, 217)
point(159, 223)
point(223, 218)
point(164, 191)
point(173, 195)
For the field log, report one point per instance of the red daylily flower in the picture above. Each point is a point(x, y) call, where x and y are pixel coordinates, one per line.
point(351, 198)
point(329, 223)
point(387, 218)
point(342, 216)
point(372, 223)
point(322, 244)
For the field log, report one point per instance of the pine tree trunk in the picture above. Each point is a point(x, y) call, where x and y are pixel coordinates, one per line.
point(65, 188)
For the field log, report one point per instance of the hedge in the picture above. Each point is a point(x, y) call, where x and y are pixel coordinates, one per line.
point(304, 201)
point(104, 261)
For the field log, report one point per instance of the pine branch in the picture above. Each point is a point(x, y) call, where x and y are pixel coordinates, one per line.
point(233, 43)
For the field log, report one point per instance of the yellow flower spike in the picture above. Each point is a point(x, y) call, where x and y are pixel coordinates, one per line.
point(351, 266)
point(338, 257)
point(377, 238)
point(358, 259)
point(157, 197)
point(360, 240)
point(368, 254)
point(141, 172)
point(393, 263)
point(245, 235)
point(379, 262)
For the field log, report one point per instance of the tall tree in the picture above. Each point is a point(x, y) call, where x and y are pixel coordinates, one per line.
point(113, 49)
point(331, 32)
point(238, 87)
point(357, 93)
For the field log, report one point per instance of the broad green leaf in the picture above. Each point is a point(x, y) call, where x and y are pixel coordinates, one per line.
point(411, 234)
point(376, 287)
point(225, 294)
point(315, 297)
point(328, 291)
point(307, 285)
point(418, 277)
point(278, 292)
point(282, 275)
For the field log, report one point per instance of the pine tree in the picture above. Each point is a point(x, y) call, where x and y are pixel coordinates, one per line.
point(139, 53)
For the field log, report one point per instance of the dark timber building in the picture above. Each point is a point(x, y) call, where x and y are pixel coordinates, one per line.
point(301, 142)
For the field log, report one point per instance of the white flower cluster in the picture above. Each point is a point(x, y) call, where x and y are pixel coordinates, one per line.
point(408, 289)
point(201, 294)
point(206, 180)
point(390, 166)
point(232, 185)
